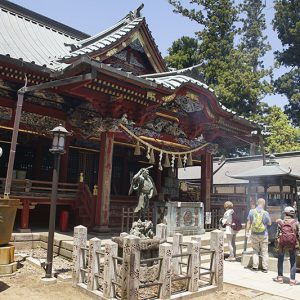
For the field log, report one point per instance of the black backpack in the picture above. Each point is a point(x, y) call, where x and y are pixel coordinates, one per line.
point(236, 224)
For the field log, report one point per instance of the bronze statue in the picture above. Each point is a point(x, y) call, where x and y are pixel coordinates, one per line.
point(144, 186)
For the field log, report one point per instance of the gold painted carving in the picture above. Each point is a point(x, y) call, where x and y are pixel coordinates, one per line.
point(112, 52)
point(151, 95)
point(192, 96)
point(169, 98)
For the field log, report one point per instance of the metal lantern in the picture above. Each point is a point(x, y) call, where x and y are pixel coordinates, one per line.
point(59, 138)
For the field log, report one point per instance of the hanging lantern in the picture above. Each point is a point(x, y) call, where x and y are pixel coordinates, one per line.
point(137, 149)
point(148, 153)
point(190, 160)
point(179, 162)
point(167, 162)
point(160, 159)
point(152, 157)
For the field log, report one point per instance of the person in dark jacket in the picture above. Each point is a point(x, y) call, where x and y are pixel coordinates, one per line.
point(287, 238)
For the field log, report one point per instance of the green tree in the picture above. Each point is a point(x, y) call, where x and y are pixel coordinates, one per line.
point(183, 53)
point(287, 24)
point(228, 70)
point(217, 18)
point(284, 137)
point(254, 44)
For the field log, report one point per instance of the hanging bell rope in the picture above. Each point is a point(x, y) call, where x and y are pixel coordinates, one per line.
point(158, 149)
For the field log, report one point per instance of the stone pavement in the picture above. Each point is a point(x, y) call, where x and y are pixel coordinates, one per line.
point(236, 274)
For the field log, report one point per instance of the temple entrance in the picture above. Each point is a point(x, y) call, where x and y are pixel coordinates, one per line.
point(86, 162)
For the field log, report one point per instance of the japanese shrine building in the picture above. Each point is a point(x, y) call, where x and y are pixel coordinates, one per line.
point(114, 92)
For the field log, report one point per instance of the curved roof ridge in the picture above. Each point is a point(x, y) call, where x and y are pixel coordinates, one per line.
point(133, 15)
point(172, 72)
point(171, 81)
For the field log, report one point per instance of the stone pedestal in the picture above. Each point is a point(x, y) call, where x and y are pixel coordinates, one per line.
point(186, 218)
point(7, 263)
point(148, 247)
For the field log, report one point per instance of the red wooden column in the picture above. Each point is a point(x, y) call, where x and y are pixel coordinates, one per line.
point(206, 179)
point(104, 182)
point(24, 226)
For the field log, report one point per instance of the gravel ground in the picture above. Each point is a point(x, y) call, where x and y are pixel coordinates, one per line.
point(60, 264)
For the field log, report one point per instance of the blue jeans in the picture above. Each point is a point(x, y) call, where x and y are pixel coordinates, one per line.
point(292, 262)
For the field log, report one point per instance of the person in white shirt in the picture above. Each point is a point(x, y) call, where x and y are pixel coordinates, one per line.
point(230, 233)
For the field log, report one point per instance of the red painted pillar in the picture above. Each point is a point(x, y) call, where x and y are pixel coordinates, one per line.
point(104, 182)
point(206, 179)
point(25, 215)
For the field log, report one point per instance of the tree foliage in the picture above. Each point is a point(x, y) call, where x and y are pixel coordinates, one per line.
point(235, 73)
point(183, 53)
point(254, 45)
point(284, 137)
point(287, 24)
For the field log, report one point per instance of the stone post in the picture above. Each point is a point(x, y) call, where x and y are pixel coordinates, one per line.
point(165, 251)
point(177, 240)
point(217, 244)
point(193, 270)
point(198, 240)
point(131, 268)
point(93, 264)
point(111, 249)
point(80, 237)
point(161, 231)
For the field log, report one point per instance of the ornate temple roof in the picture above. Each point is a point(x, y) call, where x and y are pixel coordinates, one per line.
point(33, 38)
point(177, 78)
point(27, 37)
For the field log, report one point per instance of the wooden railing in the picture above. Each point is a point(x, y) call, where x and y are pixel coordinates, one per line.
point(36, 189)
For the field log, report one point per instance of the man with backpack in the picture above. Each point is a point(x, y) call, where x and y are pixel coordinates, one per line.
point(287, 238)
point(258, 220)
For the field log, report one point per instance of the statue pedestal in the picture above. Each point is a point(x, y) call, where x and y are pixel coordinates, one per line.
point(7, 263)
point(186, 218)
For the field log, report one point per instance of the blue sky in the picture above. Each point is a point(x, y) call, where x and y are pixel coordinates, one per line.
point(93, 16)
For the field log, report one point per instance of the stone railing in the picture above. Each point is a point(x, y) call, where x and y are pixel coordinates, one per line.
point(111, 273)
